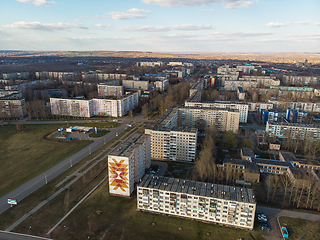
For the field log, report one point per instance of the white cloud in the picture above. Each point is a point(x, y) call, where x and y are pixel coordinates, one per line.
point(240, 34)
point(44, 26)
point(186, 27)
point(38, 2)
point(102, 26)
point(239, 4)
point(125, 15)
point(188, 3)
point(275, 25)
point(136, 10)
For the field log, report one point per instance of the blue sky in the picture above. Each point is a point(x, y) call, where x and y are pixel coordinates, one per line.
point(161, 25)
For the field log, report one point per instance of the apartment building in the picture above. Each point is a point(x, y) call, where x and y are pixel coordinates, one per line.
point(200, 201)
point(258, 106)
point(16, 75)
point(161, 85)
point(127, 164)
point(12, 107)
point(106, 90)
point(302, 106)
point(150, 64)
point(224, 119)
point(72, 107)
point(283, 129)
point(301, 80)
point(114, 107)
point(247, 82)
point(136, 85)
point(58, 75)
point(173, 143)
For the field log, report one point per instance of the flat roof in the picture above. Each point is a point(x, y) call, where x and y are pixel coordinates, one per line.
point(247, 152)
point(278, 163)
point(174, 129)
point(196, 188)
point(126, 148)
point(295, 124)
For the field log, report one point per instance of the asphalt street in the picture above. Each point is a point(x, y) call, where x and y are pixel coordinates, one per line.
point(35, 183)
point(273, 214)
point(17, 236)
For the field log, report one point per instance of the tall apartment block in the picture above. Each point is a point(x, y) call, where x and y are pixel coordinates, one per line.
point(114, 107)
point(174, 143)
point(71, 107)
point(127, 164)
point(224, 119)
point(206, 202)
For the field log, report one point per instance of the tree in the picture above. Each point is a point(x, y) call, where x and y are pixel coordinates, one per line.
point(145, 109)
point(229, 139)
point(247, 143)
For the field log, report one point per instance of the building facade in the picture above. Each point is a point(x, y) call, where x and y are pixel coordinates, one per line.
point(127, 164)
point(71, 107)
point(206, 202)
point(105, 90)
point(295, 130)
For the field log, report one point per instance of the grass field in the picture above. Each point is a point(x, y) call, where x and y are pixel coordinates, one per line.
point(26, 152)
point(305, 229)
point(99, 134)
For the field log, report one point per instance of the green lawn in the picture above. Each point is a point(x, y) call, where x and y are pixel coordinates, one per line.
point(99, 134)
point(296, 227)
point(26, 152)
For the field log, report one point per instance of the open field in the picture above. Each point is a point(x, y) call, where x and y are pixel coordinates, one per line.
point(26, 152)
point(78, 190)
point(99, 134)
point(268, 57)
point(305, 229)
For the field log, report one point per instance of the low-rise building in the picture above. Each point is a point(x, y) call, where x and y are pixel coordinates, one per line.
point(12, 107)
point(127, 163)
point(206, 202)
point(295, 130)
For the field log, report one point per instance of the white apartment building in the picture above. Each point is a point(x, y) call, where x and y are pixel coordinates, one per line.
point(257, 106)
point(149, 64)
point(300, 80)
point(161, 85)
point(106, 90)
point(206, 202)
point(116, 107)
point(243, 108)
point(299, 130)
point(224, 119)
point(127, 164)
point(173, 143)
point(72, 107)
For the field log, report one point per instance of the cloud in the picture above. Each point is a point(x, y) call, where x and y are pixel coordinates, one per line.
point(137, 11)
point(44, 26)
point(238, 4)
point(186, 27)
point(237, 35)
point(277, 25)
point(188, 3)
point(38, 2)
point(102, 26)
point(125, 15)
point(274, 25)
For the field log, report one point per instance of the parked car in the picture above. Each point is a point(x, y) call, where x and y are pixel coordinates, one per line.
point(284, 232)
point(265, 227)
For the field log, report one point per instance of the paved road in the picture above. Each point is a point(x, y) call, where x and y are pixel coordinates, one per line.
point(162, 166)
point(273, 213)
point(17, 236)
point(35, 183)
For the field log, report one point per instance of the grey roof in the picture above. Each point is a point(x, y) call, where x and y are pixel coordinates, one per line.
point(126, 148)
point(196, 188)
point(272, 162)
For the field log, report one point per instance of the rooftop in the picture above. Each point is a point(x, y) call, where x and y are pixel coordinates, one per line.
point(126, 148)
point(198, 188)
